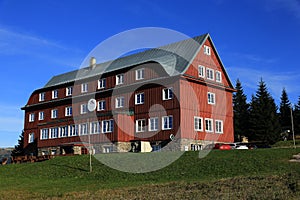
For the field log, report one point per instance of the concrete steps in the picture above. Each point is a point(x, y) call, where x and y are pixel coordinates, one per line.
point(296, 158)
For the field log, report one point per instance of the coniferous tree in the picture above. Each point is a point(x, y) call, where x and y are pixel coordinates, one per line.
point(285, 111)
point(264, 120)
point(297, 117)
point(241, 112)
point(19, 148)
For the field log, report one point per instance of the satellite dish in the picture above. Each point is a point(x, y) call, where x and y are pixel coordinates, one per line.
point(92, 104)
point(172, 137)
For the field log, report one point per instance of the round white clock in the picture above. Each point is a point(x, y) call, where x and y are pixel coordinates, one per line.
point(92, 104)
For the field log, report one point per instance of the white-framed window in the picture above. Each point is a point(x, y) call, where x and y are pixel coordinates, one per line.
point(44, 134)
point(153, 124)
point(218, 76)
point(84, 87)
point(74, 130)
point(198, 123)
point(139, 74)
point(107, 126)
point(54, 113)
point(83, 129)
point(31, 138)
point(209, 125)
point(201, 71)
point(95, 127)
point(69, 91)
point(167, 122)
point(31, 117)
point(167, 93)
point(41, 115)
point(140, 125)
point(210, 74)
point(119, 79)
point(68, 111)
point(42, 96)
point(101, 105)
point(83, 108)
point(211, 98)
point(139, 98)
point(120, 102)
point(219, 126)
point(102, 83)
point(54, 132)
point(54, 94)
point(63, 131)
point(207, 50)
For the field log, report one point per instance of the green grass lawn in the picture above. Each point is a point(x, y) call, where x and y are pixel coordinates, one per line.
point(238, 174)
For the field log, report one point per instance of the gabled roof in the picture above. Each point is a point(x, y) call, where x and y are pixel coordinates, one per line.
point(175, 58)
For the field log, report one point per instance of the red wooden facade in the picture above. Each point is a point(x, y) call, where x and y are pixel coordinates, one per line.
point(189, 99)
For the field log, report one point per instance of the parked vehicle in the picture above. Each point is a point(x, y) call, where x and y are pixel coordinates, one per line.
point(225, 147)
point(242, 147)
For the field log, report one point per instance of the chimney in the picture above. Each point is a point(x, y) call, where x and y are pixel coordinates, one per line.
point(93, 62)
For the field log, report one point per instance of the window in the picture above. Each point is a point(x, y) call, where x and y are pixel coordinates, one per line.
point(69, 91)
point(198, 124)
point(31, 117)
point(107, 126)
point(54, 132)
point(210, 74)
point(68, 111)
point(119, 79)
point(153, 124)
point(84, 87)
point(95, 127)
point(119, 102)
point(139, 74)
point(206, 50)
point(218, 76)
point(201, 71)
point(101, 105)
point(211, 98)
point(219, 126)
point(167, 122)
point(41, 115)
point(102, 83)
point(42, 96)
point(83, 129)
point(31, 138)
point(64, 131)
point(83, 108)
point(44, 133)
point(54, 113)
point(54, 94)
point(167, 93)
point(74, 130)
point(140, 125)
point(209, 125)
point(139, 98)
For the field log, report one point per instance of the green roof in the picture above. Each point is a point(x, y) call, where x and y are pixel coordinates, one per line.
point(174, 58)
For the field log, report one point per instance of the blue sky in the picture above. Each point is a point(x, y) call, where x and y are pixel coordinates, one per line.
point(39, 39)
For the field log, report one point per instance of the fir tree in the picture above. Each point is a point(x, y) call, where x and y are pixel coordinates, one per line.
point(241, 112)
point(19, 148)
point(297, 118)
point(285, 112)
point(264, 120)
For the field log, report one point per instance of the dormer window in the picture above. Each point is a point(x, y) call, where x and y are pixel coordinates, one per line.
point(206, 50)
point(84, 87)
point(42, 96)
point(139, 74)
point(119, 79)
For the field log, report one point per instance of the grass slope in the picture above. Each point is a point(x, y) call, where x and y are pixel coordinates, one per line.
point(257, 174)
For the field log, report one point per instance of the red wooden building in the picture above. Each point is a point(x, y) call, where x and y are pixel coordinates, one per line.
point(175, 97)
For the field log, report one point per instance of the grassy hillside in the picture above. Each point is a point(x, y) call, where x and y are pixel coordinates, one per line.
point(262, 173)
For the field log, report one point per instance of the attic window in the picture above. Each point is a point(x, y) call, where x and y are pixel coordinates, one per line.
point(206, 50)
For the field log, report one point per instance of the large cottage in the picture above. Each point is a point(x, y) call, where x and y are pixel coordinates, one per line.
point(175, 97)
